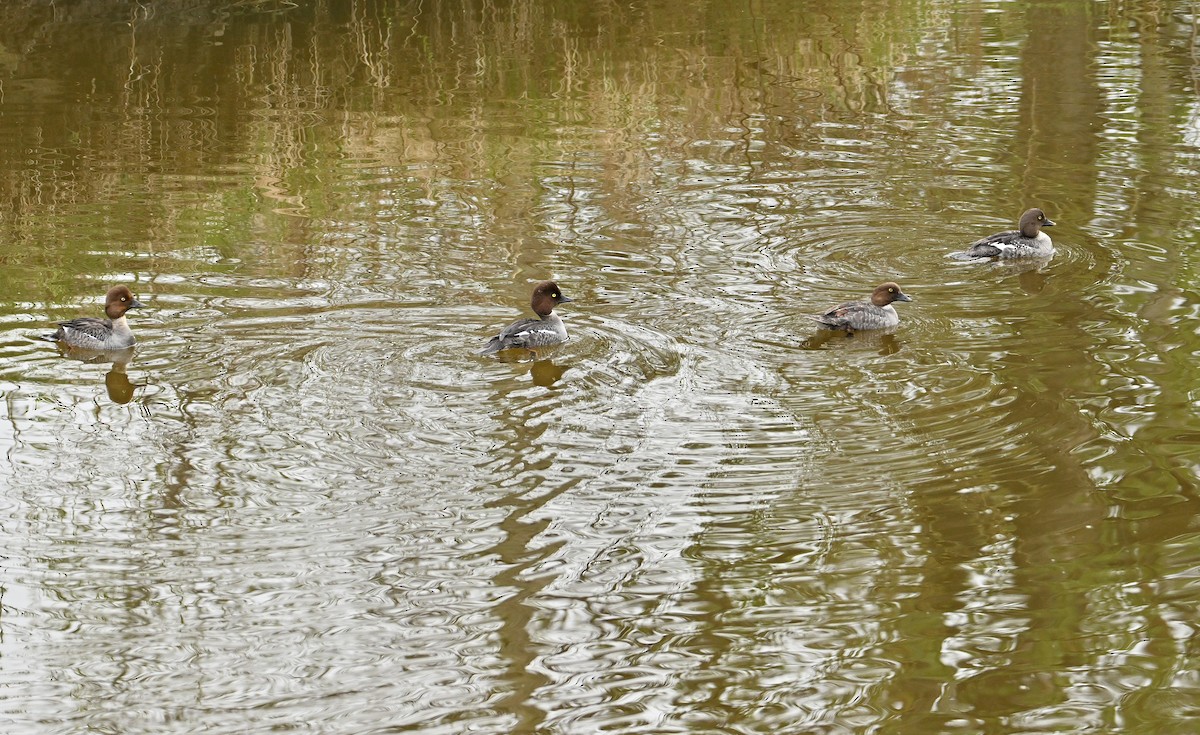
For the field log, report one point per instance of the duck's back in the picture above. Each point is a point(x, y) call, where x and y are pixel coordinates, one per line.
point(859, 315)
point(529, 334)
point(1011, 244)
point(93, 333)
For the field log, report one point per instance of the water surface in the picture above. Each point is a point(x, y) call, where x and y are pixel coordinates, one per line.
point(305, 504)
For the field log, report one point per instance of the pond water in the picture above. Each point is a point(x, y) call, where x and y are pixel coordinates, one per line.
point(305, 504)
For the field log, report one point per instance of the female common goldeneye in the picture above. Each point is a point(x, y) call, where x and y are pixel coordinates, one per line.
point(531, 334)
point(1027, 242)
point(875, 313)
point(93, 333)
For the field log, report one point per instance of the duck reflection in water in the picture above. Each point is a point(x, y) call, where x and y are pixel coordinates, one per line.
point(116, 381)
point(544, 371)
point(1032, 274)
point(885, 341)
point(1032, 280)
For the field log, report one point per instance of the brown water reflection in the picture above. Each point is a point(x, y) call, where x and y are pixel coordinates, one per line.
point(305, 503)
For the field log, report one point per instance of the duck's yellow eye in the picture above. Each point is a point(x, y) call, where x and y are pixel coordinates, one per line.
point(891, 290)
point(123, 298)
point(554, 296)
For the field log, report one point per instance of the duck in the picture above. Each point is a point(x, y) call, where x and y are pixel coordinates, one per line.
point(1027, 241)
point(94, 333)
point(876, 312)
point(547, 330)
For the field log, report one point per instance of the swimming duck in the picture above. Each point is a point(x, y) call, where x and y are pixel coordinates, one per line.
point(548, 329)
point(1028, 241)
point(94, 333)
point(874, 313)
